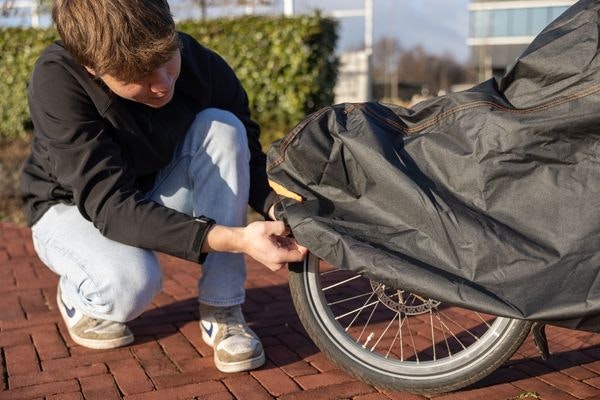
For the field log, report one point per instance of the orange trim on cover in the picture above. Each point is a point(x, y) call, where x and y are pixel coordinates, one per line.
point(282, 191)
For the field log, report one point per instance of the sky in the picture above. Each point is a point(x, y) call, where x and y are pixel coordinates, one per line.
point(440, 26)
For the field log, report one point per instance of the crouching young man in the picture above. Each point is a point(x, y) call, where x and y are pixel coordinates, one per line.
point(143, 142)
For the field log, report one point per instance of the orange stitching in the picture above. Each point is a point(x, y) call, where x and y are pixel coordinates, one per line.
point(292, 135)
point(285, 142)
point(556, 102)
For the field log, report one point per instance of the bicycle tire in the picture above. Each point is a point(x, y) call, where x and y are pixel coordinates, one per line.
point(340, 344)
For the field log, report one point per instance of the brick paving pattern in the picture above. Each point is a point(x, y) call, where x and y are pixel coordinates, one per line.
point(169, 360)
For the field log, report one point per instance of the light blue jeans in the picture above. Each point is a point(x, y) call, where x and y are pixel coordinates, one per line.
point(208, 175)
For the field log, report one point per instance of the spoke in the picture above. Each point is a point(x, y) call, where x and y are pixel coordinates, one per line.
point(450, 331)
point(383, 333)
point(422, 299)
point(368, 319)
point(341, 283)
point(432, 334)
point(356, 310)
point(331, 272)
point(412, 339)
point(398, 332)
point(483, 320)
point(459, 325)
point(445, 339)
point(351, 298)
point(401, 337)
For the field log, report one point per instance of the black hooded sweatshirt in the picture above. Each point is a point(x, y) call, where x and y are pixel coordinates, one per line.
point(101, 152)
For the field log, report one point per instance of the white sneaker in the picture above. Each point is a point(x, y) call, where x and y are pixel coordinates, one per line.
point(92, 332)
point(236, 347)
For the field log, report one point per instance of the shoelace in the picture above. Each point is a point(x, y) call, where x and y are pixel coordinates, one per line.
point(229, 316)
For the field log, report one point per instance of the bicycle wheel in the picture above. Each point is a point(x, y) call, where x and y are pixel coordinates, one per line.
point(397, 340)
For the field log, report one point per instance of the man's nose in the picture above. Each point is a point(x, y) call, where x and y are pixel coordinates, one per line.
point(161, 82)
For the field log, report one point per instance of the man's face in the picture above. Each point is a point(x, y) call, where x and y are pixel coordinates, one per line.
point(154, 90)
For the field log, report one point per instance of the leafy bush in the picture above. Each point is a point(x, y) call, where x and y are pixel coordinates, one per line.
point(287, 66)
point(19, 48)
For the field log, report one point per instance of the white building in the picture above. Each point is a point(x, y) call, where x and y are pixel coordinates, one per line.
point(500, 30)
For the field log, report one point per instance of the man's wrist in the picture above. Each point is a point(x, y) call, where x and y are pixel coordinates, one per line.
point(224, 239)
point(206, 224)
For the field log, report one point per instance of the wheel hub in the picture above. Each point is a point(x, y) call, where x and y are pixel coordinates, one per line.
point(401, 301)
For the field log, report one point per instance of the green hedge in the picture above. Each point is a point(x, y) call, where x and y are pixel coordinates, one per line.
point(19, 48)
point(287, 66)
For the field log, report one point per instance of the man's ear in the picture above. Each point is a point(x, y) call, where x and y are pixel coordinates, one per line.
point(91, 70)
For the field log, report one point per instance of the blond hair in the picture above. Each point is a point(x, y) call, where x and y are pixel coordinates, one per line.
point(127, 39)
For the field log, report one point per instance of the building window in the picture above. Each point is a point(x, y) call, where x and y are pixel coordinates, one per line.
point(520, 23)
point(512, 22)
point(480, 23)
point(539, 19)
point(501, 23)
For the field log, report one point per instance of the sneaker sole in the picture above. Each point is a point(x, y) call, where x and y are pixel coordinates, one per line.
point(92, 343)
point(240, 366)
point(102, 344)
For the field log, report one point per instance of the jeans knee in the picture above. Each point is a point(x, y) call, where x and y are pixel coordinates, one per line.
point(224, 133)
point(133, 290)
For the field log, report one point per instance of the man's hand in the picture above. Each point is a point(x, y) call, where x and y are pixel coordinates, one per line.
point(268, 243)
point(265, 241)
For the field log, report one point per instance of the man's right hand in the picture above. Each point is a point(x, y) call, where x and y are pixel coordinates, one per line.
point(265, 241)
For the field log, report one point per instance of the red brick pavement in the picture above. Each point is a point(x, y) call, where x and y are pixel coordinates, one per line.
point(169, 360)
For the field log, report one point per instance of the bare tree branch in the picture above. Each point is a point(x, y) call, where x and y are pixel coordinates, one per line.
point(8, 7)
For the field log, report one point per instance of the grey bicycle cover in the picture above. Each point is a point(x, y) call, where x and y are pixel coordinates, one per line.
point(487, 199)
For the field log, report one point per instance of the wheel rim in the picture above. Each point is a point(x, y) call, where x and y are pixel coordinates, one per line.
point(394, 332)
